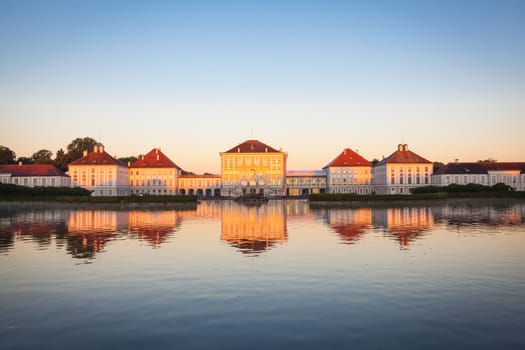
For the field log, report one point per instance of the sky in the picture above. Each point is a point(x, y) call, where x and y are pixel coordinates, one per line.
point(196, 78)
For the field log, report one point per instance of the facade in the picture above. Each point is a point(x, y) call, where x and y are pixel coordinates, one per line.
point(400, 172)
point(305, 182)
point(154, 174)
point(253, 167)
point(207, 185)
point(33, 175)
point(483, 173)
point(100, 173)
point(349, 173)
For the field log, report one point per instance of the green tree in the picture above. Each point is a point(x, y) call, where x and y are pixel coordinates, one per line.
point(61, 160)
point(42, 157)
point(130, 159)
point(24, 160)
point(77, 147)
point(488, 160)
point(7, 156)
point(437, 165)
point(374, 161)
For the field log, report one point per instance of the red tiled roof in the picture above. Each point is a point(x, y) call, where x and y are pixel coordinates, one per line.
point(192, 176)
point(98, 158)
point(252, 146)
point(479, 168)
point(154, 159)
point(31, 170)
point(348, 158)
point(403, 156)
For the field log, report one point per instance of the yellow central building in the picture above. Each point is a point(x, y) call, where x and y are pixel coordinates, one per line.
point(253, 167)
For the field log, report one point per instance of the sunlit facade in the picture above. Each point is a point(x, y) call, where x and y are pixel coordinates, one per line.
point(100, 173)
point(349, 173)
point(206, 185)
point(401, 172)
point(305, 182)
point(154, 174)
point(253, 167)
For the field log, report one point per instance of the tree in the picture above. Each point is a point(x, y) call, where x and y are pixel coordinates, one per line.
point(77, 147)
point(374, 161)
point(7, 156)
point(61, 160)
point(24, 160)
point(437, 165)
point(488, 160)
point(130, 159)
point(42, 157)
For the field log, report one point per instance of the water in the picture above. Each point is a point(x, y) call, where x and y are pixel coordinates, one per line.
point(281, 275)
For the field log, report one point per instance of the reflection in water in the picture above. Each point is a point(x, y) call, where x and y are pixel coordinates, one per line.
point(153, 226)
point(404, 224)
point(253, 229)
point(90, 230)
point(469, 216)
point(349, 224)
point(250, 230)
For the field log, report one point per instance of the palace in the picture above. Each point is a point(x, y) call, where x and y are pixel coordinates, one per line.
point(33, 175)
point(99, 172)
point(349, 173)
point(253, 167)
point(484, 173)
point(401, 172)
point(155, 174)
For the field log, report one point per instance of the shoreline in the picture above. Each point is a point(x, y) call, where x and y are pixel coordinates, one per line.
point(56, 204)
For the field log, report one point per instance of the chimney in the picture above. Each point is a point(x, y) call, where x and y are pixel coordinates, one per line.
point(129, 164)
point(344, 152)
point(142, 157)
point(405, 147)
point(265, 149)
point(400, 147)
point(100, 148)
point(158, 158)
point(19, 163)
point(84, 153)
point(238, 150)
point(156, 151)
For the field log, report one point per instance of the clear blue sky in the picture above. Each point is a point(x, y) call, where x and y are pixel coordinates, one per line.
point(313, 77)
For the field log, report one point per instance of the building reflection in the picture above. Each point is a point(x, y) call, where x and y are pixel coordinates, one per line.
point(249, 229)
point(40, 227)
point(468, 216)
point(253, 229)
point(405, 225)
point(349, 224)
point(153, 226)
point(90, 230)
